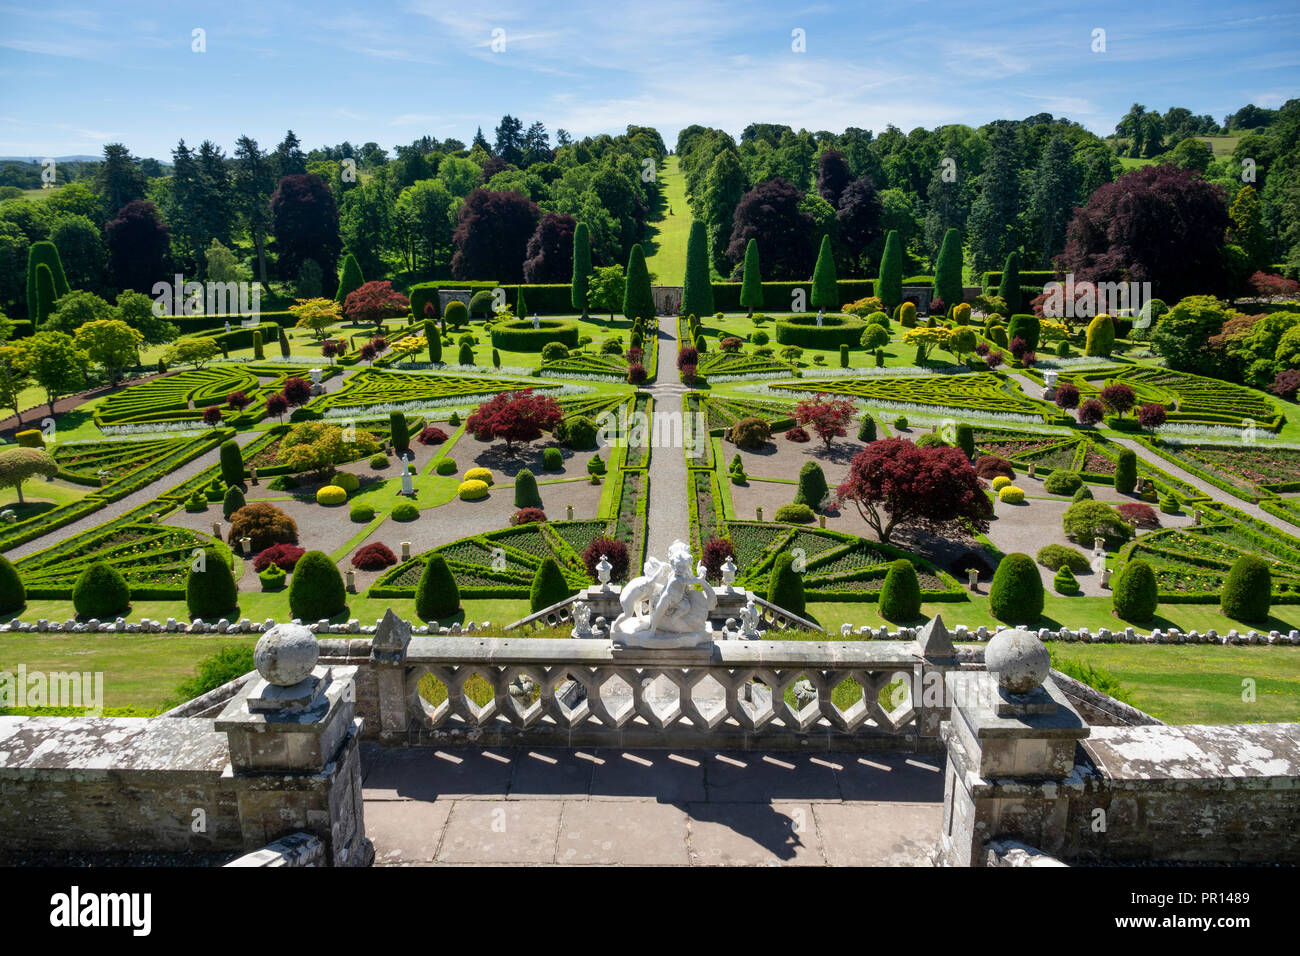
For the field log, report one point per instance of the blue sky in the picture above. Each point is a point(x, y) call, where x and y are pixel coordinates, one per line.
point(77, 75)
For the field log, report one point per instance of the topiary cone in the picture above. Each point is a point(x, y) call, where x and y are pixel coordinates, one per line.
point(436, 593)
point(900, 594)
point(210, 590)
point(316, 588)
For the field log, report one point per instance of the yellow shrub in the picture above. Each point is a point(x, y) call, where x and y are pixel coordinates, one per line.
point(472, 489)
point(479, 474)
point(1011, 494)
point(331, 495)
point(1000, 482)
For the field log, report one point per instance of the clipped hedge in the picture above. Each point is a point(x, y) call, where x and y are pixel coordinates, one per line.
point(836, 330)
point(1016, 594)
point(778, 296)
point(520, 336)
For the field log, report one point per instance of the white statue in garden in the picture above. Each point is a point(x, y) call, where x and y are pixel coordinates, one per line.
point(663, 607)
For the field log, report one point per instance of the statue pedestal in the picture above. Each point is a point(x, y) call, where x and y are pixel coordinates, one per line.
point(626, 634)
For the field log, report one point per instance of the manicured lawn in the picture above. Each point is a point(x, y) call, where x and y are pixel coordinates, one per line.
point(1201, 684)
point(41, 495)
point(666, 250)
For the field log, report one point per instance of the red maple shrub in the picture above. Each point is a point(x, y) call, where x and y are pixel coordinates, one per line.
point(613, 549)
point(431, 435)
point(688, 374)
point(797, 434)
point(687, 355)
point(1273, 286)
point(635, 355)
point(1117, 398)
point(1067, 396)
point(1091, 412)
point(297, 391)
point(375, 301)
point(332, 348)
point(1286, 384)
point(374, 556)
point(519, 416)
point(989, 467)
point(277, 405)
point(283, 556)
point(636, 374)
point(528, 516)
point(1152, 416)
point(828, 416)
point(995, 358)
point(716, 552)
point(1142, 515)
point(894, 482)
point(731, 343)
point(212, 415)
point(238, 400)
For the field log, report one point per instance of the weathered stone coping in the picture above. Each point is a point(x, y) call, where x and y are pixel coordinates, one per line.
point(109, 744)
point(1240, 756)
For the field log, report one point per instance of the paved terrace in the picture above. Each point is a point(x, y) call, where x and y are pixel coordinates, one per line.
point(425, 806)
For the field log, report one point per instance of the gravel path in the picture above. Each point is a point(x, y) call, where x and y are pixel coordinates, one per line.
point(1217, 494)
point(120, 507)
point(668, 514)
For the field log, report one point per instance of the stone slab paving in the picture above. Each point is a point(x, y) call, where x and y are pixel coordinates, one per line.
point(617, 807)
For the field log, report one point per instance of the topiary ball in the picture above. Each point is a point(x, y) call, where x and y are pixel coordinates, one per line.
point(479, 474)
point(1062, 482)
point(362, 512)
point(472, 490)
point(101, 591)
point(346, 480)
point(445, 466)
point(405, 511)
point(1016, 594)
point(1000, 482)
point(1136, 592)
point(331, 495)
point(552, 459)
point(316, 589)
point(1012, 495)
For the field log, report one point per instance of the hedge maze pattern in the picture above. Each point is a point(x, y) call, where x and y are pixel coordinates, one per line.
point(154, 559)
point(383, 387)
point(1189, 399)
point(975, 392)
point(182, 397)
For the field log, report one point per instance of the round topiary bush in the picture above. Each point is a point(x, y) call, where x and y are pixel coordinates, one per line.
point(900, 593)
point(436, 593)
point(1000, 482)
point(1083, 494)
point(1247, 590)
point(479, 474)
point(346, 480)
point(1056, 556)
point(273, 579)
point(445, 466)
point(1012, 495)
point(472, 490)
point(13, 596)
point(362, 512)
point(264, 523)
point(1062, 482)
point(867, 428)
point(1064, 581)
point(379, 461)
point(552, 459)
point(549, 586)
point(316, 589)
point(210, 590)
point(554, 352)
point(283, 556)
point(834, 331)
point(785, 585)
point(1136, 593)
point(579, 433)
point(431, 435)
point(612, 548)
point(406, 511)
point(900, 423)
point(1085, 520)
point(989, 467)
point(100, 591)
point(795, 514)
point(929, 440)
point(596, 466)
point(374, 557)
point(526, 494)
point(812, 486)
point(232, 502)
point(751, 433)
point(331, 495)
point(1016, 594)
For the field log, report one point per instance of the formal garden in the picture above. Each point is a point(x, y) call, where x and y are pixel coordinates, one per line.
point(871, 434)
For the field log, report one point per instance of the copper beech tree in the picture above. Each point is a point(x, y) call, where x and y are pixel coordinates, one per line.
point(893, 482)
point(515, 417)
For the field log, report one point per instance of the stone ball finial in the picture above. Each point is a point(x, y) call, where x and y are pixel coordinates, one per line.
point(286, 654)
point(1018, 659)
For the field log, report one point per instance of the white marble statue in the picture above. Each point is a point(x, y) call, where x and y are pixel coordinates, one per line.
point(662, 608)
point(749, 621)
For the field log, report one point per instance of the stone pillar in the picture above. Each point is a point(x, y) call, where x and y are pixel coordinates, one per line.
point(1011, 741)
point(294, 749)
point(388, 655)
point(759, 513)
point(938, 655)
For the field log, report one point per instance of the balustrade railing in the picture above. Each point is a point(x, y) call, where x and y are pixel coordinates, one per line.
point(857, 694)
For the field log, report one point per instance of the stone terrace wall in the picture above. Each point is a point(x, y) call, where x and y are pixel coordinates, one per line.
point(1211, 794)
point(100, 784)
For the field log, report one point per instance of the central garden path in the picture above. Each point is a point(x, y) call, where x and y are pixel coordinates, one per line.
point(668, 513)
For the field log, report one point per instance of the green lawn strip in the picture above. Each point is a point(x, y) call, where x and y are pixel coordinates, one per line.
point(666, 250)
point(1190, 684)
point(775, 481)
point(338, 556)
point(40, 495)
